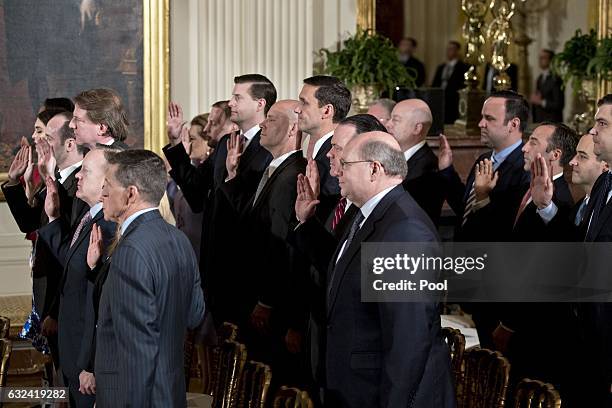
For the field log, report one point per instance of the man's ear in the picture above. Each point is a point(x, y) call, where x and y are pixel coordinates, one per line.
point(133, 194)
point(328, 111)
point(102, 129)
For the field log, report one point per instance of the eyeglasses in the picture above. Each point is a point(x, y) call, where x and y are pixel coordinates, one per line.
point(343, 163)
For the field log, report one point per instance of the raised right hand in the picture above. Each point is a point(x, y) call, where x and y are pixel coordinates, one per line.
point(445, 153)
point(175, 123)
point(19, 164)
point(94, 251)
point(306, 201)
point(52, 201)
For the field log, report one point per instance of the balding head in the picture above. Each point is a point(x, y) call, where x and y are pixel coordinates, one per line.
point(410, 122)
point(279, 131)
point(371, 163)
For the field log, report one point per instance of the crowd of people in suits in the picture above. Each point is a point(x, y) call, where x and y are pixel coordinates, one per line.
point(284, 192)
point(547, 102)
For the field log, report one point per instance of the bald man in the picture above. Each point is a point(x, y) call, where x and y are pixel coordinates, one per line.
point(409, 124)
point(385, 354)
point(271, 322)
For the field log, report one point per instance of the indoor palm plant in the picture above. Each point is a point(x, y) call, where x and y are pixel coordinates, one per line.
point(367, 63)
point(571, 64)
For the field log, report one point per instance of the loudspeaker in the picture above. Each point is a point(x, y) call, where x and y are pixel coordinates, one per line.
point(433, 97)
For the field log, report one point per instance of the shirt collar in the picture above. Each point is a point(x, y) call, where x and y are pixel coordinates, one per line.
point(320, 142)
point(410, 152)
point(452, 63)
point(274, 164)
point(132, 217)
point(93, 211)
point(498, 158)
point(250, 134)
point(109, 142)
point(63, 174)
point(556, 176)
point(371, 204)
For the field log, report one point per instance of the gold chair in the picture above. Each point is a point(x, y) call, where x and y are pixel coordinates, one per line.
point(456, 344)
point(208, 356)
point(6, 346)
point(232, 357)
point(5, 325)
point(254, 385)
point(485, 379)
point(289, 397)
point(536, 394)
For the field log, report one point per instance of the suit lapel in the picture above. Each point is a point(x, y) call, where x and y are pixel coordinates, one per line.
point(355, 247)
point(266, 188)
point(250, 152)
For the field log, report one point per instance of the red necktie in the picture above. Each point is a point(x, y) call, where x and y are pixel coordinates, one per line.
point(526, 198)
point(339, 212)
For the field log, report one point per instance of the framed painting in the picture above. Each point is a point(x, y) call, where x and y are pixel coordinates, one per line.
point(57, 48)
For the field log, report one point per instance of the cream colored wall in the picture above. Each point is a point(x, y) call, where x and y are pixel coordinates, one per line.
point(14, 252)
point(213, 41)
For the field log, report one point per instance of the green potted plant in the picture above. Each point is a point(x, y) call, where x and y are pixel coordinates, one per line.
point(571, 64)
point(601, 63)
point(368, 64)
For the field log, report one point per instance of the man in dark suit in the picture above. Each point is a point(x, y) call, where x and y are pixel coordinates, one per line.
point(528, 333)
point(70, 248)
point(252, 96)
point(449, 76)
point(488, 203)
point(59, 148)
point(149, 298)
point(406, 48)
point(489, 86)
point(318, 239)
point(381, 353)
point(409, 124)
point(324, 102)
point(548, 100)
point(271, 290)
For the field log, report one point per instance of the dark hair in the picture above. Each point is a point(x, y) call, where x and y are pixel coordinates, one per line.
point(411, 40)
point(223, 105)
point(551, 53)
point(140, 168)
point(516, 107)
point(332, 91)
point(261, 88)
point(59, 103)
point(456, 44)
point(563, 138)
point(104, 106)
point(46, 115)
point(606, 100)
point(363, 123)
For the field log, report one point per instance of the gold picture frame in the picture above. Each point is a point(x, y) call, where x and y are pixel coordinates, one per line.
point(156, 74)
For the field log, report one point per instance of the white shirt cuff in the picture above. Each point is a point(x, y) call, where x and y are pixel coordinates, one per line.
point(548, 213)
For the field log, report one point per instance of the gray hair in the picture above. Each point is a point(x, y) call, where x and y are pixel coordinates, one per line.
point(386, 103)
point(143, 169)
point(391, 159)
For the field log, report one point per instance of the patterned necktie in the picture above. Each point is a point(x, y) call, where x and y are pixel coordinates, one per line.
point(86, 218)
point(523, 205)
point(581, 211)
point(339, 212)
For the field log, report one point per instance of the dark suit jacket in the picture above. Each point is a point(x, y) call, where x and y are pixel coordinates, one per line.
point(46, 270)
point(148, 302)
point(495, 221)
point(276, 272)
point(419, 69)
point(75, 303)
point(330, 189)
point(424, 183)
point(221, 223)
point(454, 84)
point(552, 92)
point(388, 353)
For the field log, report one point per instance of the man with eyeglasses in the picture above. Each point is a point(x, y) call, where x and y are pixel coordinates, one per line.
point(381, 353)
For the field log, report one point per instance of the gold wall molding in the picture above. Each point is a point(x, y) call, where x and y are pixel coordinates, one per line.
point(156, 70)
point(604, 29)
point(366, 14)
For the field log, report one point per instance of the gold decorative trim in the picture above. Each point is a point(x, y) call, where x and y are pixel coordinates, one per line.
point(366, 14)
point(604, 29)
point(156, 16)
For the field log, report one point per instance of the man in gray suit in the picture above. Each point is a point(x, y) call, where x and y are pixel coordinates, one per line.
point(152, 293)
